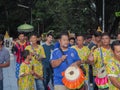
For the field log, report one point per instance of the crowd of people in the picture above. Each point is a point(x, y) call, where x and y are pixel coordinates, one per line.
point(40, 67)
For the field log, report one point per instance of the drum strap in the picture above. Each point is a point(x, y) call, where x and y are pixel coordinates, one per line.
point(63, 54)
point(101, 55)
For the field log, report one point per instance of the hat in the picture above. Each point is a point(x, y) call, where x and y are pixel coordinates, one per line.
point(99, 29)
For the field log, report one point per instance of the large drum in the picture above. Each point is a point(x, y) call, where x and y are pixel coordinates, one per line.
point(73, 77)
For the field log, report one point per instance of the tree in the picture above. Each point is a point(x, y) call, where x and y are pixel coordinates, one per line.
point(58, 15)
point(73, 15)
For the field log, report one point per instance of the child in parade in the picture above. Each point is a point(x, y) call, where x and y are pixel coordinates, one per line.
point(26, 79)
point(38, 55)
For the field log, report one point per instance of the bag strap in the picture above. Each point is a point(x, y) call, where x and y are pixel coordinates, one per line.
point(101, 55)
point(63, 54)
point(62, 51)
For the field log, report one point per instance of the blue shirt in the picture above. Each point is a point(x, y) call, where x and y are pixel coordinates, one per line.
point(56, 45)
point(72, 56)
point(4, 57)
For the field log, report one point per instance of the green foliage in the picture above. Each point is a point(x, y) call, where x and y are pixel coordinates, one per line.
point(73, 15)
point(57, 15)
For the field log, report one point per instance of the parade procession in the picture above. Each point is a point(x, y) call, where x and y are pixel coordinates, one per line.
point(60, 45)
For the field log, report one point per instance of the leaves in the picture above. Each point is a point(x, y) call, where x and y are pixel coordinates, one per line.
point(57, 15)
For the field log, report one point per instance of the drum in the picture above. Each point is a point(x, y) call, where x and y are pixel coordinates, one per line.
point(101, 79)
point(73, 77)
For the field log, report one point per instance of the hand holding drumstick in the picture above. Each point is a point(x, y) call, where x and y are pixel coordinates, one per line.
point(91, 56)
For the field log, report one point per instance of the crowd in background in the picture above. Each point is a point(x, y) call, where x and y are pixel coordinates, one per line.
point(39, 66)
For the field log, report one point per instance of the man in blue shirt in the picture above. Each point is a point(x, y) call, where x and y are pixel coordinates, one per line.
point(61, 59)
point(4, 59)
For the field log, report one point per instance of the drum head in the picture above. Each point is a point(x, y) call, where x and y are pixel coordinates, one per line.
point(72, 73)
point(102, 72)
point(73, 77)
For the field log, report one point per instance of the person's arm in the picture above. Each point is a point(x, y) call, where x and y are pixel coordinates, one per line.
point(25, 74)
point(77, 59)
point(112, 72)
point(38, 76)
point(86, 61)
point(15, 47)
point(6, 60)
point(77, 63)
point(43, 52)
point(115, 81)
point(57, 62)
point(93, 56)
point(22, 72)
point(6, 64)
point(90, 58)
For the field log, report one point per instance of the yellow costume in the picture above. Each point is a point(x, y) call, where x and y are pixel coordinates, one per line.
point(38, 68)
point(83, 54)
point(113, 69)
point(26, 82)
point(107, 55)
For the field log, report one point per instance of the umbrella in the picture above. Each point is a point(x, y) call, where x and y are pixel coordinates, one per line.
point(25, 28)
